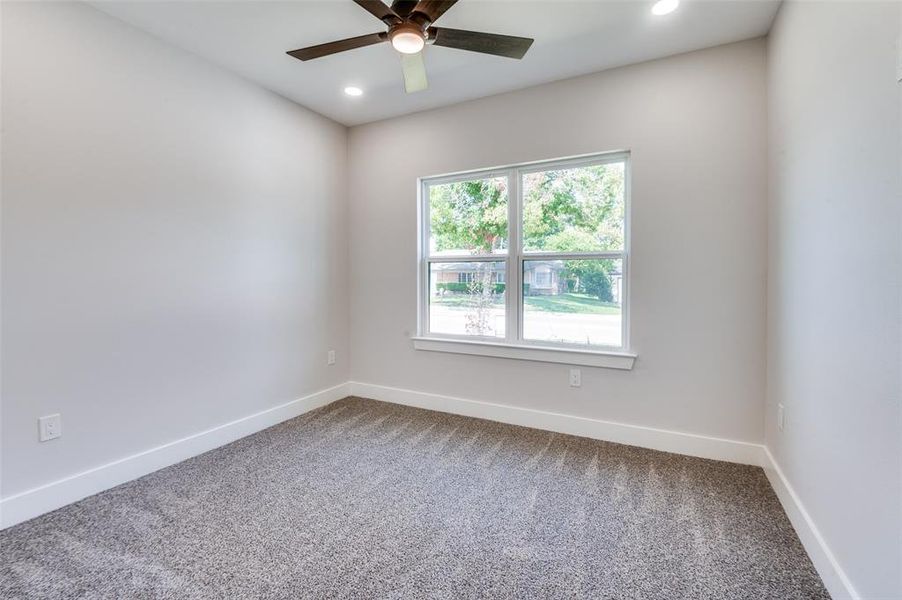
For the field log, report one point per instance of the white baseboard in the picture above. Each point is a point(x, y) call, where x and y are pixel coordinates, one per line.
point(37, 501)
point(621, 433)
point(822, 557)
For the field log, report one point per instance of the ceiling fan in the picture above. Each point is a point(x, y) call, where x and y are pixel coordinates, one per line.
point(409, 24)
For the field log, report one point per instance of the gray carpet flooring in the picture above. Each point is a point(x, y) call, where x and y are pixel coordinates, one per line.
point(362, 499)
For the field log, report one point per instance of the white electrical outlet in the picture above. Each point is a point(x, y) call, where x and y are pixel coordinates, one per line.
point(575, 378)
point(331, 357)
point(781, 416)
point(50, 427)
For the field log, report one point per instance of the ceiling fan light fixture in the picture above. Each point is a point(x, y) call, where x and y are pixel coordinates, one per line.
point(664, 7)
point(407, 40)
point(408, 25)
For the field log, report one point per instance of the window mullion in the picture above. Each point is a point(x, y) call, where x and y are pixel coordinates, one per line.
point(615, 254)
point(467, 258)
point(512, 322)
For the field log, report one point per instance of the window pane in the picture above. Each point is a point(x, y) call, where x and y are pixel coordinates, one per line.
point(467, 298)
point(573, 301)
point(468, 217)
point(574, 210)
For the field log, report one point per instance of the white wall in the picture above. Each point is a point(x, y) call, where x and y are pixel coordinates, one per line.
point(834, 276)
point(174, 243)
point(696, 127)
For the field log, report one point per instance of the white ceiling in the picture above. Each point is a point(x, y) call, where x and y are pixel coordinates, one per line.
point(572, 37)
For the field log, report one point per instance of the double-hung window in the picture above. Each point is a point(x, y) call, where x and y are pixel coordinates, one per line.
point(528, 256)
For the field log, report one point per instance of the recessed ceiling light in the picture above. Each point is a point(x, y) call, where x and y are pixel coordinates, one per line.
point(664, 7)
point(353, 91)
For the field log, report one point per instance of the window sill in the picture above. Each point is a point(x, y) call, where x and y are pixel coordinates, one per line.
point(567, 356)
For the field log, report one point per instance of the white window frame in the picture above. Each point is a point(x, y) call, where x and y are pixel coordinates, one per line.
point(513, 345)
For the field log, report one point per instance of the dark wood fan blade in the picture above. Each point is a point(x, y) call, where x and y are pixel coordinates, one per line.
point(434, 8)
point(378, 9)
point(339, 46)
point(402, 8)
point(476, 41)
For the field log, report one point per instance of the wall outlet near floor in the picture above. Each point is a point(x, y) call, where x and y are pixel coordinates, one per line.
point(576, 378)
point(781, 416)
point(331, 357)
point(50, 427)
